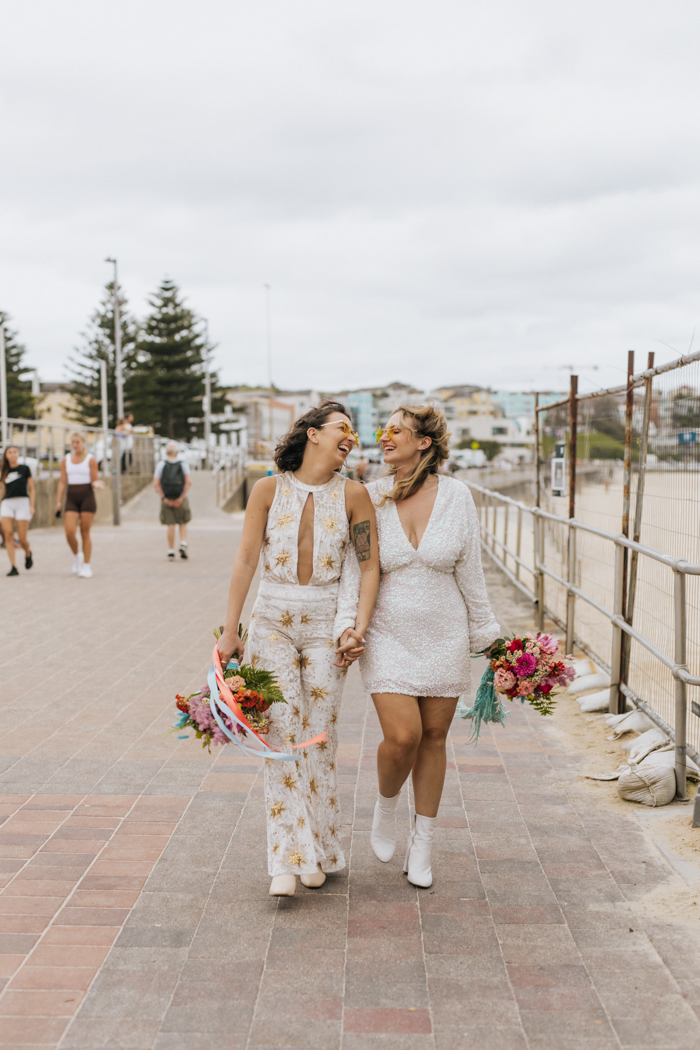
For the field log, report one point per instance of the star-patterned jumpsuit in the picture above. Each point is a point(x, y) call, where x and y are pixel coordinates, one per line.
point(292, 633)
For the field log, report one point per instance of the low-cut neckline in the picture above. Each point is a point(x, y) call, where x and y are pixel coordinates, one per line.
point(428, 523)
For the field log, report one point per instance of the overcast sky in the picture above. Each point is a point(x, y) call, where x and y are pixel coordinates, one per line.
point(438, 192)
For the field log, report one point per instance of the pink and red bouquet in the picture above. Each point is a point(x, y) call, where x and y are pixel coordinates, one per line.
point(531, 668)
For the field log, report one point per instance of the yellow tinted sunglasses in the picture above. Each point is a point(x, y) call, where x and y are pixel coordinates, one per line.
point(347, 430)
point(391, 432)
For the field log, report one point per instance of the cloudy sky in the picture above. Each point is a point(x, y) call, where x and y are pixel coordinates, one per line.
point(440, 191)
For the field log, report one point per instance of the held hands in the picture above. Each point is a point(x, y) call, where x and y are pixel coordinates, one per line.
point(351, 647)
point(230, 645)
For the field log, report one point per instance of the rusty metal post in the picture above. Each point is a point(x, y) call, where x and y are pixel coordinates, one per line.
point(626, 502)
point(637, 528)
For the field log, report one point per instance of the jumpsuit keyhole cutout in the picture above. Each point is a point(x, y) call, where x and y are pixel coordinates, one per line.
point(305, 543)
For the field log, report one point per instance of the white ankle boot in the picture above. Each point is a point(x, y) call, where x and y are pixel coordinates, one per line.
point(420, 844)
point(315, 880)
point(283, 886)
point(383, 836)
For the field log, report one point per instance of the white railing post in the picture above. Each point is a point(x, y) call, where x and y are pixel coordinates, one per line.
point(617, 701)
point(679, 656)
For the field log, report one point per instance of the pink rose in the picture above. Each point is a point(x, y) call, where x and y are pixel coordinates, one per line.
point(235, 683)
point(503, 680)
point(548, 644)
point(525, 665)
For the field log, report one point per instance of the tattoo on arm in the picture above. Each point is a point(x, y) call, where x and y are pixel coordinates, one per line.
point(361, 534)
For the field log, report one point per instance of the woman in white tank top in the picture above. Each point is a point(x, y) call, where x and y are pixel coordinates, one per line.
point(79, 476)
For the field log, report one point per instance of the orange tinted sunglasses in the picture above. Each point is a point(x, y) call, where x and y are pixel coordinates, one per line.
point(347, 430)
point(391, 432)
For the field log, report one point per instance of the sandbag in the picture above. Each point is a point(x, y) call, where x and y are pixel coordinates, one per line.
point(589, 681)
point(652, 740)
point(651, 785)
point(599, 701)
point(581, 668)
point(634, 722)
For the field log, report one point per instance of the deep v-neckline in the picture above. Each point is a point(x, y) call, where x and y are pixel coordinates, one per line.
point(427, 527)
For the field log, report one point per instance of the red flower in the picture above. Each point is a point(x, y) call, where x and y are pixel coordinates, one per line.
point(514, 646)
point(181, 704)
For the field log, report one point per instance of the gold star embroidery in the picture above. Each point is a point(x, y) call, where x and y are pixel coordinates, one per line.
point(330, 523)
point(295, 711)
point(333, 801)
point(295, 858)
point(316, 836)
point(335, 493)
point(266, 568)
point(290, 738)
point(276, 810)
point(283, 557)
point(313, 790)
point(286, 619)
point(275, 847)
point(327, 562)
point(301, 662)
point(305, 722)
point(305, 754)
point(289, 781)
point(333, 830)
point(318, 692)
point(330, 643)
point(274, 637)
point(322, 745)
point(301, 822)
point(334, 718)
point(284, 520)
point(286, 492)
point(305, 618)
point(254, 660)
point(267, 541)
point(333, 860)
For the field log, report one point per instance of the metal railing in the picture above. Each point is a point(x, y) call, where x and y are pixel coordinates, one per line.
point(46, 444)
point(501, 551)
point(229, 474)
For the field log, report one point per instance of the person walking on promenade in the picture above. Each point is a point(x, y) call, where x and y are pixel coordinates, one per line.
point(432, 611)
point(172, 481)
point(79, 475)
point(18, 501)
point(303, 520)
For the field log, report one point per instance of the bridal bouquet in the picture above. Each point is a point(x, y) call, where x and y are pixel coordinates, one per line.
point(253, 689)
point(529, 667)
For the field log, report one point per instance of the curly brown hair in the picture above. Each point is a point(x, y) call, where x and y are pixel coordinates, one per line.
point(427, 421)
point(290, 449)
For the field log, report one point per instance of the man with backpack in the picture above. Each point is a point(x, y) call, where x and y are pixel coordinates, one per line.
point(172, 482)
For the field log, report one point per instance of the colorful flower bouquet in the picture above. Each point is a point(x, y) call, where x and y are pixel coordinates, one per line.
point(528, 667)
point(253, 689)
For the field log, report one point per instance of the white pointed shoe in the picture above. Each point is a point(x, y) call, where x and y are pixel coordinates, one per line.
point(85, 571)
point(283, 886)
point(77, 563)
point(383, 836)
point(314, 880)
point(420, 844)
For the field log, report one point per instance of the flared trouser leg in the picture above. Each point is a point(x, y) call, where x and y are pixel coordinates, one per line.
point(294, 641)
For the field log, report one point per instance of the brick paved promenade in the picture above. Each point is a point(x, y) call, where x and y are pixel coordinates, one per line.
point(135, 911)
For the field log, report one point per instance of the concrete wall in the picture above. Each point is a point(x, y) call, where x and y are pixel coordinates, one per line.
point(46, 490)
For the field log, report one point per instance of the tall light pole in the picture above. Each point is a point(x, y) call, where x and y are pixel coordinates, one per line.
point(268, 332)
point(3, 388)
point(207, 388)
point(117, 342)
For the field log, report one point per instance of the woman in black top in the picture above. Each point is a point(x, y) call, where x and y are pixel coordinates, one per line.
point(17, 505)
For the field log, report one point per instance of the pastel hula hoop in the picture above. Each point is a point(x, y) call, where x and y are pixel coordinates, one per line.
point(222, 700)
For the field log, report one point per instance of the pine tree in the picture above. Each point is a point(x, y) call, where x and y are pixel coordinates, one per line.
point(167, 385)
point(84, 368)
point(21, 403)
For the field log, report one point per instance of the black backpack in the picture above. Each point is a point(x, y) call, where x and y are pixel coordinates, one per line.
point(172, 480)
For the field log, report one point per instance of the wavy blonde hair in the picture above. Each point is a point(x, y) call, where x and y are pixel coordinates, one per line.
point(426, 421)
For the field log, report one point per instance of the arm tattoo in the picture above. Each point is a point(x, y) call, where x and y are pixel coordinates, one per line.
point(361, 533)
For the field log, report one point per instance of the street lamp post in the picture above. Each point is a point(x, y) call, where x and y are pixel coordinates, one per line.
point(117, 341)
point(3, 388)
point(268, 334)
point(207, 390)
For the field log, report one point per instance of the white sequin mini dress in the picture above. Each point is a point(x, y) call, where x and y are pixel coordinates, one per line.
point(432, 610)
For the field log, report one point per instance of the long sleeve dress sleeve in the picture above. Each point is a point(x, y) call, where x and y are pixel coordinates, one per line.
point(469, 573)
point(348, 594)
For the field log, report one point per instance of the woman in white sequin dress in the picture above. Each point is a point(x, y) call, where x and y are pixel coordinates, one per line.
point(431, 613)
point(302, 520)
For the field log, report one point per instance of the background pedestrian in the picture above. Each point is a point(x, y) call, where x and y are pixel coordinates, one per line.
point(18, 501)
point(172, 482)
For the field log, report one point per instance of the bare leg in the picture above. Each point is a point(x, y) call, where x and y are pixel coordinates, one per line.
point(171, 537)
point(85, 525)
point(428, 772)
point(9, 534)
point(400, 719)
point(183, 533)
point(22, 529)
point(71, 526)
